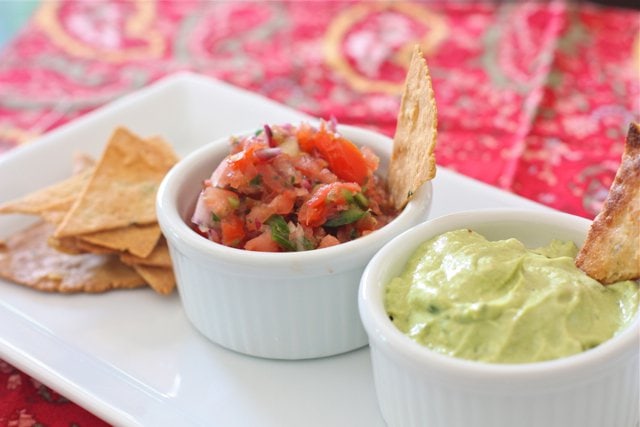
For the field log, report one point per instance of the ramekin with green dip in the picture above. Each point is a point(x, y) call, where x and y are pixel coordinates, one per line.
point(499, 301)
point(501, 336)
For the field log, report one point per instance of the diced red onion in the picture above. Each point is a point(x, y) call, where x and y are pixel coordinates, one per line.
point(268, 153)
point(202, 215)
point(269, 133)
point(214, 235)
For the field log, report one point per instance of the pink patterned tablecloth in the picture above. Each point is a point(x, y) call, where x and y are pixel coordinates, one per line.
point(534, 98)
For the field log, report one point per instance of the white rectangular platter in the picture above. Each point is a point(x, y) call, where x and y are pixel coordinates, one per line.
point(131, 357)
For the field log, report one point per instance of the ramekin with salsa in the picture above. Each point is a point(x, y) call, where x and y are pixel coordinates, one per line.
point(288, 188)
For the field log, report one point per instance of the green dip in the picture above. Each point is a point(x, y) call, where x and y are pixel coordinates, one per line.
point(468, 297)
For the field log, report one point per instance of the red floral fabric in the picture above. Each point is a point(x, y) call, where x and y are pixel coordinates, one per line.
point(25, 402)
point(534, 98)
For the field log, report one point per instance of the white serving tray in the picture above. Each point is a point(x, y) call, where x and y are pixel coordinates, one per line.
point(131, 357)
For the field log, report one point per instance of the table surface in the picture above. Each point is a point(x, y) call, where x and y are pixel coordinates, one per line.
point(532, 98)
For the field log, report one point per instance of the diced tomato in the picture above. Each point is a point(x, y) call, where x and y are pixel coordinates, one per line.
point(232, 230)
point(229, 174)
point(305, 136)
point(314, 168)
point(271, 181)
point(366, 223)
point(344, 158)
point(238, 169)
point(282, 204)
point(373, 161)
point(220, 202)
point(263, 243)
point(327, 241)
point(325, 201)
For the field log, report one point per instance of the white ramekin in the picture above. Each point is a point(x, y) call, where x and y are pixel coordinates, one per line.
point(293, 305)
point(419, 387)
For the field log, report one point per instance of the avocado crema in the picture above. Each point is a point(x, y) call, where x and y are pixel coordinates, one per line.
point(497, 301)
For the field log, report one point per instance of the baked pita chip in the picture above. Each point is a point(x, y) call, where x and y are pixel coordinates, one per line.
point(121, 191)
point(67, 245)
point(57, 197)
point(139, 240)
point(611, 251)
point(159, 257)
point(413, 159)
point(55, 215)
point(73, 245)
point(82, 162)
point(27, 259)
point(160, 279)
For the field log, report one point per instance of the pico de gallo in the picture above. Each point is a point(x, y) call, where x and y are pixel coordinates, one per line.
point(293, 188)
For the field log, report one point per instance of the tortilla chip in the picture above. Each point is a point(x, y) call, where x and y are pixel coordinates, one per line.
point(82, 162)
point(611, 252)
point(160, 279)
point(27, 259)
point(58, 197)
point(68, 245)
point(55, 215)
point(122, 190)
point(90, 248)
point(140, 240)
point(413, 159)
point(159, 257)
point(73, 245)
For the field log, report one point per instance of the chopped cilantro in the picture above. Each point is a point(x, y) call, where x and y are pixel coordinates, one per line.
point(346, 217)
point(280, 232)
point(362, 200)
point(348, 195)
point(256, 180)
point(233, 201)
point(353, 234)
point(307, 244)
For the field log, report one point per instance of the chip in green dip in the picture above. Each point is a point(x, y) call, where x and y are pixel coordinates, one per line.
point(499, 302)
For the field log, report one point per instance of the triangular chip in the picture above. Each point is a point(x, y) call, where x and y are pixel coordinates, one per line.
point(413, 160)
point(612, 250)
point(160, 279)
point(122, 190)
point(68, 245)
point(159, 257)
point(55, 215)
point(74, 245)
point(27, 259)
point(139, 240)
point(57, 197)
point(82, 162)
